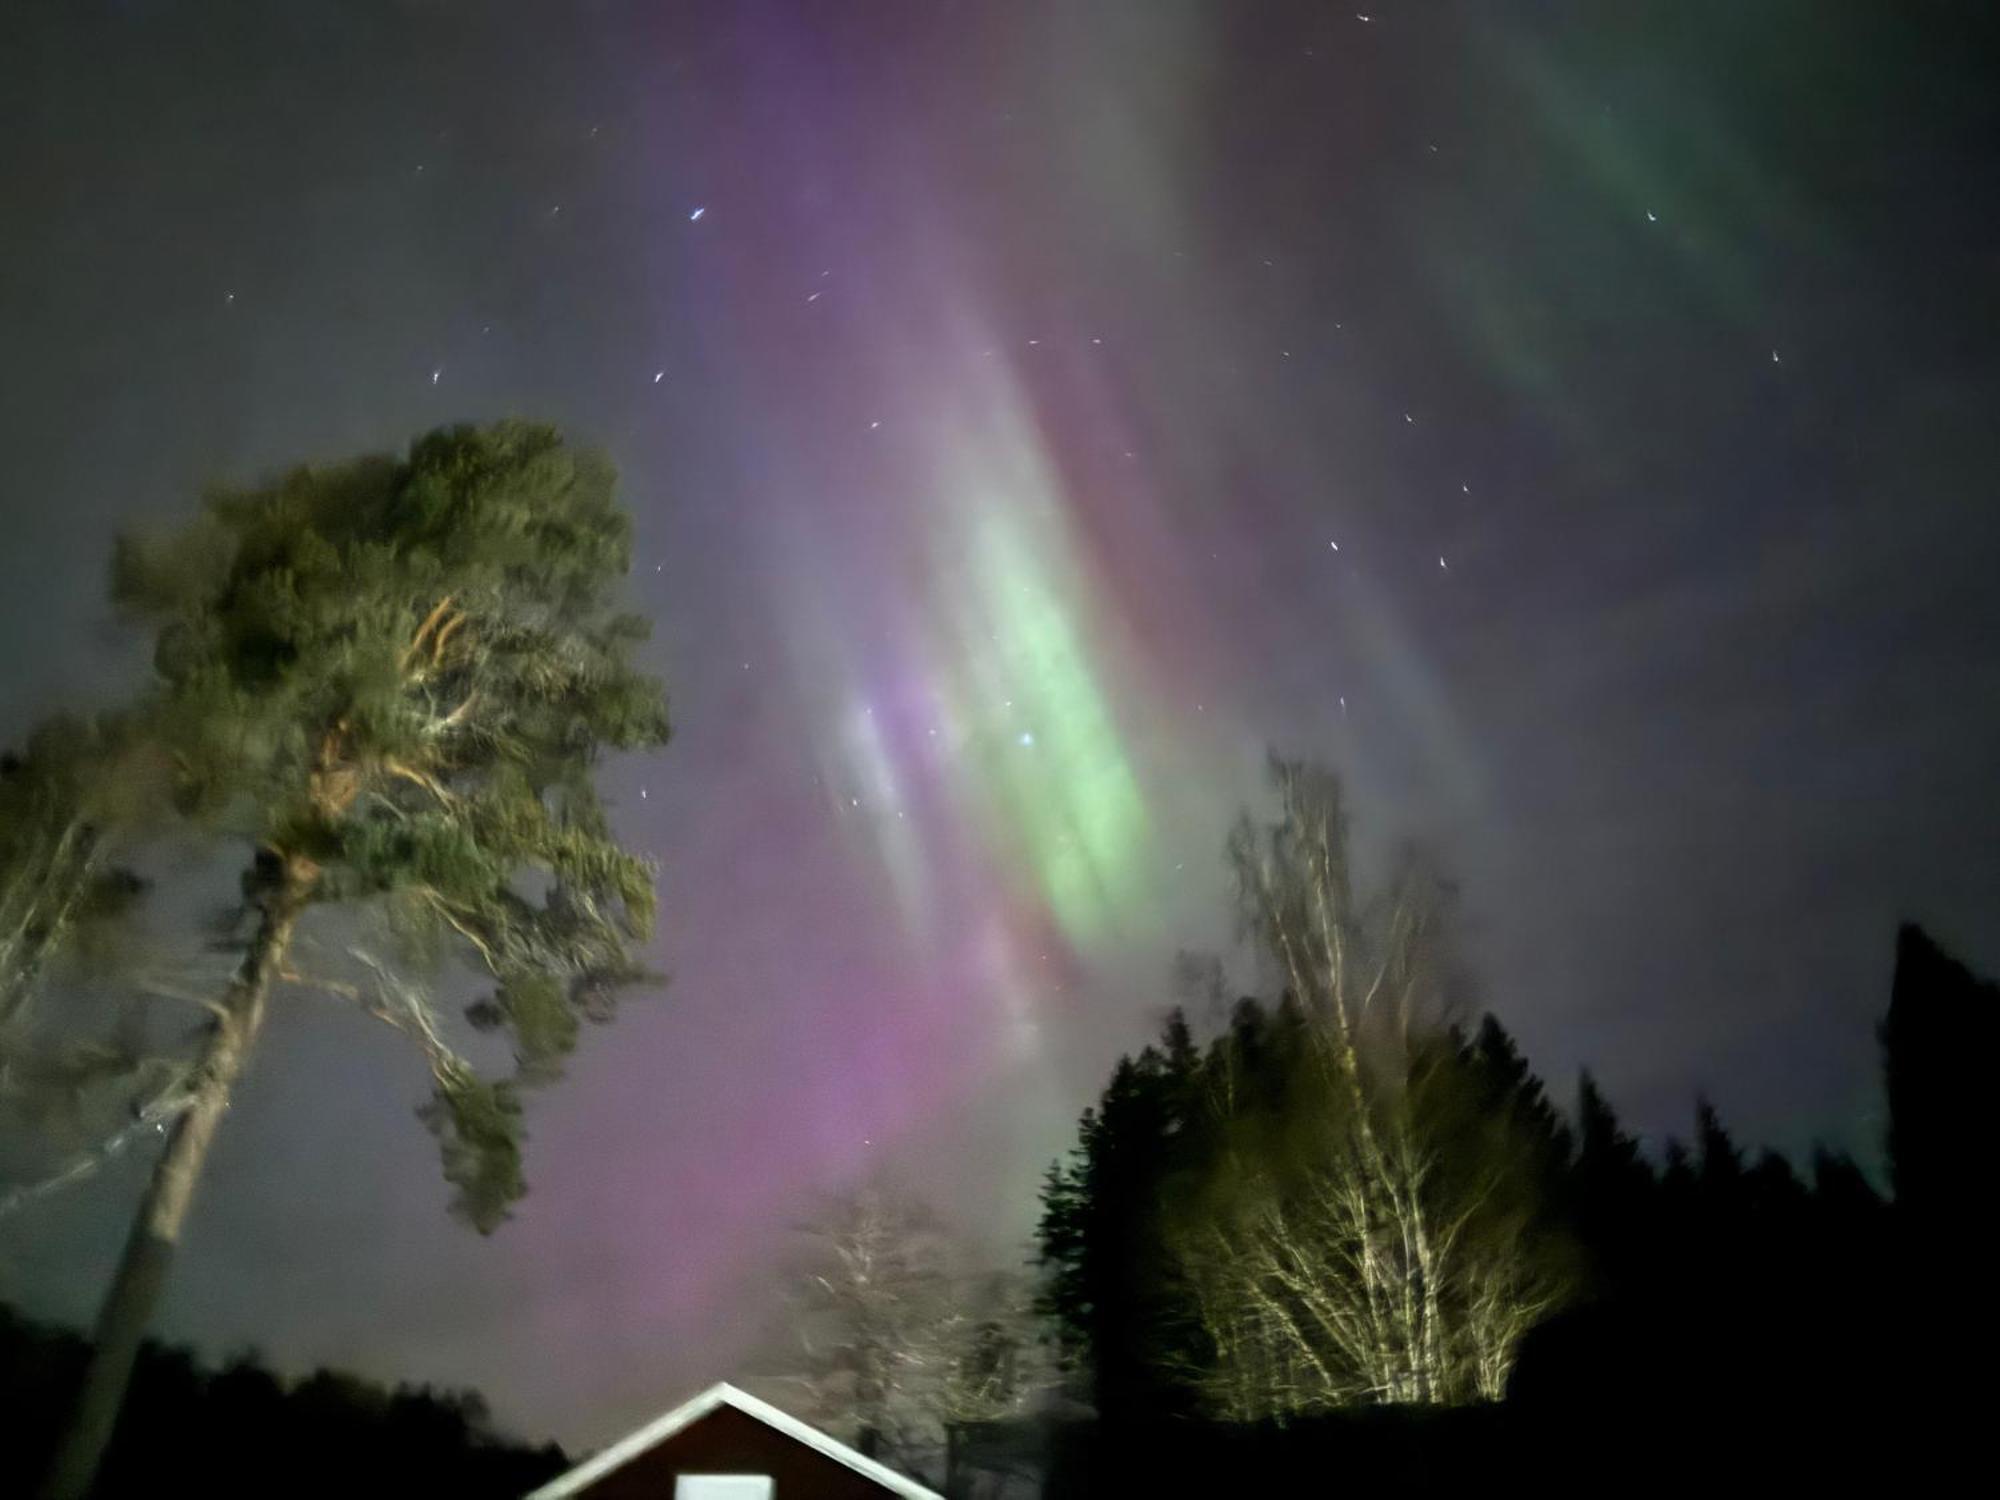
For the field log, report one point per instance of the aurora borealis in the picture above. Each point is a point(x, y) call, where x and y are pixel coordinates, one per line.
point(1577, 428)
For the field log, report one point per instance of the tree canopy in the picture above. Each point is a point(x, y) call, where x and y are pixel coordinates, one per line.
point(392, 682)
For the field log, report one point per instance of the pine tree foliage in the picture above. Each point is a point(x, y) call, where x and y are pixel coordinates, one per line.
point(396, 681)
point(392, 682)
point(89, 1091)
point(61, 798)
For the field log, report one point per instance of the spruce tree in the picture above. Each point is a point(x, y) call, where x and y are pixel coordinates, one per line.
point(391, 682)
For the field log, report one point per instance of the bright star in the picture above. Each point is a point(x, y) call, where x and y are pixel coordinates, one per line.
point(696, 215)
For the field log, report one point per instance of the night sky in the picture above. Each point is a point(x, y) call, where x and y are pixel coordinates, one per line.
point(1576, 421)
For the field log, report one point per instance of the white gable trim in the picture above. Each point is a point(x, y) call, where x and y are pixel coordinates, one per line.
point(689, 1412)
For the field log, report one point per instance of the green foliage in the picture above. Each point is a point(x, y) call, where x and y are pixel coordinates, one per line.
point(396, 680)
point(58, 799)
point(478, 1126)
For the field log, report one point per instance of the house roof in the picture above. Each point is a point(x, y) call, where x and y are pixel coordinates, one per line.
point(691, 1411)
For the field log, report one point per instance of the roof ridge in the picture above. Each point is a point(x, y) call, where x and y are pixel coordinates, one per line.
point(651, 1434)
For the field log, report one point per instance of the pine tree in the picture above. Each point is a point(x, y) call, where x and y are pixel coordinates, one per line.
point(1943, 1026)
point(392, 682)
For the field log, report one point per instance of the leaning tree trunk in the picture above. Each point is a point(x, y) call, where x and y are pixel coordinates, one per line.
point(149, 1249)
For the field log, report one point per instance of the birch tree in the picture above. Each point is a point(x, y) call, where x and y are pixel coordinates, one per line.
point(1375, 1237)
point(904, 1342)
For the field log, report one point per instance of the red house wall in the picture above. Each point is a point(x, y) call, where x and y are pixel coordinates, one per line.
point(728, 1442)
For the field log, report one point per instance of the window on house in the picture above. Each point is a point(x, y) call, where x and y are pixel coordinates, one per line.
point(723, 1487)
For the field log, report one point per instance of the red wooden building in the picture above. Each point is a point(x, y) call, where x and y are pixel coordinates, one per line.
point(725, 1444)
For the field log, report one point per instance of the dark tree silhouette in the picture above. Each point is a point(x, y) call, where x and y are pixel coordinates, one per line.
point(1942, 1030)
point(241, 1431)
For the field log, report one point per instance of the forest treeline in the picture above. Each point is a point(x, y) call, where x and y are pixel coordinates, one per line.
point(1706, 1305)
point(1343, 1227)
point(239, 1429)
point(1349, 1232)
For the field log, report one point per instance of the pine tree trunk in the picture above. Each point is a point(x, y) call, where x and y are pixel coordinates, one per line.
point(149, 1249)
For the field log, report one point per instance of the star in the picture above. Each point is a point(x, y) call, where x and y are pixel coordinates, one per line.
point(1465, 489)
point(873, 425)
point(1334, 545)
point(1774, 357)
point(1409, 419)
point(1651, 217)
point(1441, 565)
point(1027, 739)
point(813, 297)
point(436, 374)
point(658, 376)
point(695, 217)
point(229, 296)
point(642, 794)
